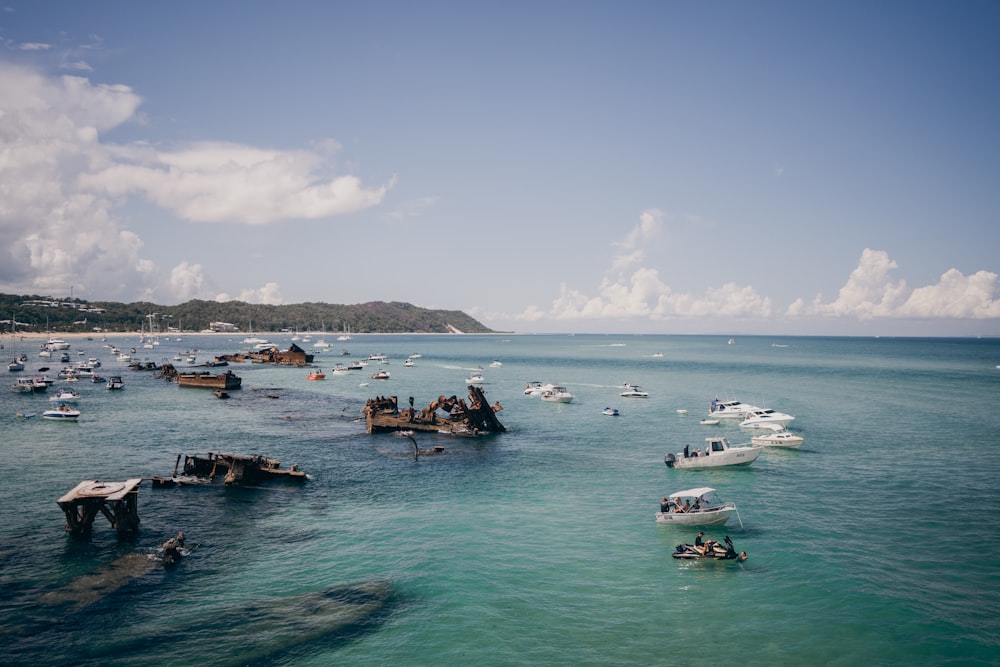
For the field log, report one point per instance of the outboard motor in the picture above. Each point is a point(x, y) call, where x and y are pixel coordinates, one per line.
point(670, 459)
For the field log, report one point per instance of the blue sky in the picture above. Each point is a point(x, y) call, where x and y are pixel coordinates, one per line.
point(646, 167)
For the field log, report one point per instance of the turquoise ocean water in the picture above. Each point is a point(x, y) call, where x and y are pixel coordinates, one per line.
point(876, 543)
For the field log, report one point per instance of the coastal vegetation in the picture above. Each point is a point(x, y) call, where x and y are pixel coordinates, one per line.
point(33, 313)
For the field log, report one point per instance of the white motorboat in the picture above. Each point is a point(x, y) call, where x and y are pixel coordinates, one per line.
point(634, 391)
point(709, 422)
point(475, 378)
point(535, 388)
point(64, 396)
point(695, 507)
point(23, 386)
point(56, 344)
point(409, 362)
point(380, 374)
point(340, 369)
point(766, 418)
point(731, 409)
point(116, 383)
point(557, 395)
point(63, 413)
point(322, 345)
point(778, 437)
point(610, 412)
point(496, 364)
point(718, 452)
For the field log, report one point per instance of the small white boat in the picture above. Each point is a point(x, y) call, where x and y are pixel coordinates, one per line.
point(64, 396)
point(765, 418)
point(634, 391)
point(695, 507)
point(63, 413)
point(116, 383)
point(380, 374)
point(409, 362)
point(496, 364)
point(718, 452)
point(322, 345)
point(557, 395)
point(610, 412)
point(340, 369)
point(779, 437)
point(475, 378)
point(709, 422)
point(682, 411)
point(657, 355)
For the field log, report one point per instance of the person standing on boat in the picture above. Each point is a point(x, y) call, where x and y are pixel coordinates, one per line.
point(665, 506)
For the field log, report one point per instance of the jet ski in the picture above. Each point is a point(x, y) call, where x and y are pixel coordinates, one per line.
point(715, 551)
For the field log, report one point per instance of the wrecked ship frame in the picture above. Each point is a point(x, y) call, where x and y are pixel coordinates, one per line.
point(451, 415)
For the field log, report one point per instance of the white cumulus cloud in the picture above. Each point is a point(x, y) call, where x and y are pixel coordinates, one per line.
point(870, 292)
point(61, 188)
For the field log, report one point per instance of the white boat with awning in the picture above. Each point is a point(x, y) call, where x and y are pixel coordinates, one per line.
point(699, 506)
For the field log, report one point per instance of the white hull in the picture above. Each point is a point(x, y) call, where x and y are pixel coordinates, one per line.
point(718, 453)
point(786, 440)
point(740, 456)
point(62, 416)
point(711, 517)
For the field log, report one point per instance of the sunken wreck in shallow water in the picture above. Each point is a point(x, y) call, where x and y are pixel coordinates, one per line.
point(454, 416)
point(232, 469)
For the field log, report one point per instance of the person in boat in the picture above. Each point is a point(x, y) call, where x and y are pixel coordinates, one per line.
point(665, 505)
point(687, 451)
point(687, 506)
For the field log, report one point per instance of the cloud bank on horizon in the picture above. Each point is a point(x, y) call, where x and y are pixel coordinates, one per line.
point(68, 217)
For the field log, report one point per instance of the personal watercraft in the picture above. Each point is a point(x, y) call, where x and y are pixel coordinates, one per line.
point(714, 551)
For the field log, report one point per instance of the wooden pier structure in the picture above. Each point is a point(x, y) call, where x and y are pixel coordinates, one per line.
point(115, 500)
point(453, 415)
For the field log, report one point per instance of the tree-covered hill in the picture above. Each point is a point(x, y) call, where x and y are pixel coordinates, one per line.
point(38, 313)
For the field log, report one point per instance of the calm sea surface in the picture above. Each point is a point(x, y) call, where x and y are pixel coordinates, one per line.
point(876, 543)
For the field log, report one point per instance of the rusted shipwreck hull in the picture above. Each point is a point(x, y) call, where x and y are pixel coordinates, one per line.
point(452, 415)
point(227, 380)
point(232, 469)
